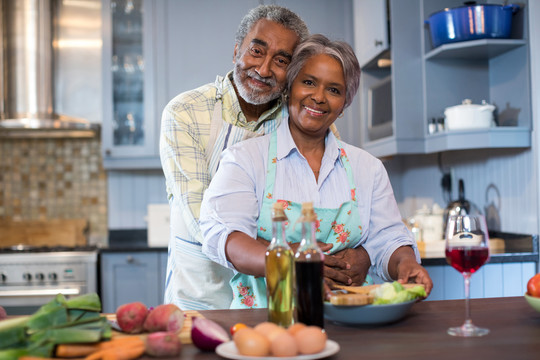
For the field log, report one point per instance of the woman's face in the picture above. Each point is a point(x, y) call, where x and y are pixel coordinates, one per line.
point(317, 95)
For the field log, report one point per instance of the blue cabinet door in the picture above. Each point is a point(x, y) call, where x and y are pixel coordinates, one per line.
point(162, 276)
point(129, 277)
point(492, 280)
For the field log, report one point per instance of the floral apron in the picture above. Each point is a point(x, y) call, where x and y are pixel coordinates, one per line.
point(340, 227)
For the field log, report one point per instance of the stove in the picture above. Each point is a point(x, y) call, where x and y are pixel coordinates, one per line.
point(32, 276)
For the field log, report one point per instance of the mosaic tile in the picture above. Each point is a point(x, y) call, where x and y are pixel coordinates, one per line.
point(44, 179)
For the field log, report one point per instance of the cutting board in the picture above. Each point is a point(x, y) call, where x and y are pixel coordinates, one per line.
point(185, 333)
point(53, 232)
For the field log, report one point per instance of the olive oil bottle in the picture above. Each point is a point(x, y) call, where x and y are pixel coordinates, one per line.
point(279, 272)
point(309, 261)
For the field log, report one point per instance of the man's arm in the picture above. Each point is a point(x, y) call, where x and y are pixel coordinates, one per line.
point(183, 159)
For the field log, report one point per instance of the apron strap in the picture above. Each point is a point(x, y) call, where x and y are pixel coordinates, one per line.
point(215, 128)
point(271, 168)
point(348, 170)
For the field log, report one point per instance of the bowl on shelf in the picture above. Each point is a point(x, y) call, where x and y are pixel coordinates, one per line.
point(533, 301)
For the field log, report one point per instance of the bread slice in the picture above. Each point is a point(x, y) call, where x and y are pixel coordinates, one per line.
point(357, 289)
point(367, 288)
point(351, 299)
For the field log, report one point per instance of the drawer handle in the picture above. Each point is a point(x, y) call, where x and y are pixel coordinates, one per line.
point(378, 42)
point(130, 259)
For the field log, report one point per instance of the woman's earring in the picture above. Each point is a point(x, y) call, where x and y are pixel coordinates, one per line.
point(340, 115)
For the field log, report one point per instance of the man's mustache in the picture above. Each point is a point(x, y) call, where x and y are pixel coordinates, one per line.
point(271, 81)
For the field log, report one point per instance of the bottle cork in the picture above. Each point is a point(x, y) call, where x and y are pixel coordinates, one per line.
point(307, 212)
point(278, 214)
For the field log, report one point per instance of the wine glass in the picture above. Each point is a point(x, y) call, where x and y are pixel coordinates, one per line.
point(467, 249)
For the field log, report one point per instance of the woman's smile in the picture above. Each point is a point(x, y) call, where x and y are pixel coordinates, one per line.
point(314, 112)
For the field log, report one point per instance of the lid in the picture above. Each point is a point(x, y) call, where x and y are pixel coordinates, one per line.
point(467, 104)
point(278, 214)
point(473, 4)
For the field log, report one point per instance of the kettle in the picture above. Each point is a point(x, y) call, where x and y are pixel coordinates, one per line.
point(461, 206)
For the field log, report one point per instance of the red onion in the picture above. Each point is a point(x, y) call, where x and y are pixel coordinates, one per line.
point(207, 334)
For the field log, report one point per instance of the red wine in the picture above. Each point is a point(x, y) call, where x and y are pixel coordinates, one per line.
point(309, 292)
point(465, 259)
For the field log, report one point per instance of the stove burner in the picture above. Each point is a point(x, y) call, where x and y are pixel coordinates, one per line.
point(22, 248)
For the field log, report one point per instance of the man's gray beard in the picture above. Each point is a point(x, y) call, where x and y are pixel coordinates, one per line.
point(252, 96)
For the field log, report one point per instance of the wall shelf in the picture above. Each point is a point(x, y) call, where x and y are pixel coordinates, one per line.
point(474, 49)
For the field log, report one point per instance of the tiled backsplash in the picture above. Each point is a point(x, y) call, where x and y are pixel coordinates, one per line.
point(44, 179)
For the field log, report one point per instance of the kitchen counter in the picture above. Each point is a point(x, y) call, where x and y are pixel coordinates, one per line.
point(129, 240)
point(517, 248)
point(514, 332)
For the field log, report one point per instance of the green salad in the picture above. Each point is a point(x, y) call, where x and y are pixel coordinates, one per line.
point(394, 293)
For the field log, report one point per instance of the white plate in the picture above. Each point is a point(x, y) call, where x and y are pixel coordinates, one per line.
point(367, 314)
point(228, 350)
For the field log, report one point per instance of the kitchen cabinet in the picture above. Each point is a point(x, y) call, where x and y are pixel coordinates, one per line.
point(492, 280)
point(132, 276)
point(130, 118)
point(426, 80)
point(372, 30)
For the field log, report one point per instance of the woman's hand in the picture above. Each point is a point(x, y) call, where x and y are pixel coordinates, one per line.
point(404, 268)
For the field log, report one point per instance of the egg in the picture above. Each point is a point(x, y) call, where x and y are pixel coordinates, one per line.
point(311, 340)
point(266, 327)
point(294, 328)
point(250, 342)
point(284, 345)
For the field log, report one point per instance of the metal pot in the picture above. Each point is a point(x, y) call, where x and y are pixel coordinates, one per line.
point(461, 206)
point(471, 22)
point(469, 116)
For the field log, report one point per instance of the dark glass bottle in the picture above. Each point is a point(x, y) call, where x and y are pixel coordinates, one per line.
point(309, 261)
point(279, 272)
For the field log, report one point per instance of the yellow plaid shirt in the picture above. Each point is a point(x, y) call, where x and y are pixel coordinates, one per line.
point(185, 132)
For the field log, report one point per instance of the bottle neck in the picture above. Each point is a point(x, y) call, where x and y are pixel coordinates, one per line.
point(278, 233)
point(308, 234)
point(308, 249)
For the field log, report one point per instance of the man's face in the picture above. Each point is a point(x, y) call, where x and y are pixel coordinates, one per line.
point(261, 62)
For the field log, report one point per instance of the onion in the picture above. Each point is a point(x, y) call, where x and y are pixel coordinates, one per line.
point(207, 334)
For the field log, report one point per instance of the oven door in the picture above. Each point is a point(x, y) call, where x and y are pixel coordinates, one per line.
point(26, 300)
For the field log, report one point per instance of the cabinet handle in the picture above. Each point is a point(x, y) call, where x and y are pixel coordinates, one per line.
point(378, 42)
point(108, 152)
point(130, 259)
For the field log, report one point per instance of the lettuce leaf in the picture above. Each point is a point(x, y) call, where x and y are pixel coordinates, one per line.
point(394, 293)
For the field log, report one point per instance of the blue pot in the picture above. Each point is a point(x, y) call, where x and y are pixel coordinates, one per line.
point(472, 22)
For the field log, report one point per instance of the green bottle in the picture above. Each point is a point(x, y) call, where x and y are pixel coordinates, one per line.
point(279, 272)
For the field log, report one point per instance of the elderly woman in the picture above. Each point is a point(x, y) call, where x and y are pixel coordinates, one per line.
point(303, 161)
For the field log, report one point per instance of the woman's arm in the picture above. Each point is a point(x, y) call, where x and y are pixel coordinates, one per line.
point(246, 253)
point(404, 268)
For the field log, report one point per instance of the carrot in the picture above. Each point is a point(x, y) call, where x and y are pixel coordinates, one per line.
point(82, 350)
point(75, 350)
point(118, 353)
point(121, 341)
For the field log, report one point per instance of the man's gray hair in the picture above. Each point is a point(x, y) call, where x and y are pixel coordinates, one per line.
point(278, 14)
point(319, 44)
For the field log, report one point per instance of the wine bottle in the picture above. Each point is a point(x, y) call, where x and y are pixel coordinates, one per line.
point(279, 272)
point(309, 261)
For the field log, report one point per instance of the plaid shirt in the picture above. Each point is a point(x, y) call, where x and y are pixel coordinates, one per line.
point(185, 132)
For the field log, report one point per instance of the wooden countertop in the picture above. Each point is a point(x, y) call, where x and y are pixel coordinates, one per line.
point(514, 332)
